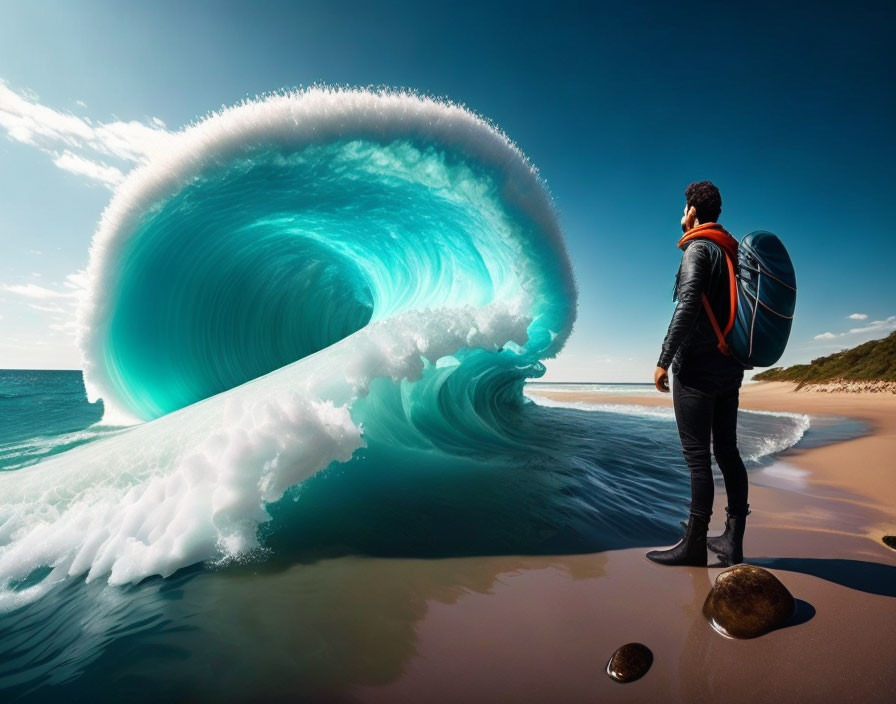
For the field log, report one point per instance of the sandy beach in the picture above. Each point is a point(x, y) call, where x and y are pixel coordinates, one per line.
point(542, 628)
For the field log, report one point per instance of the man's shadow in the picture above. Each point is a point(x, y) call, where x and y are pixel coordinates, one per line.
point(863, 576)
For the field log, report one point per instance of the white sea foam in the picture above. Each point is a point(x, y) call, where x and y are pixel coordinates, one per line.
point(760, 433)
point(193, 485)
point(595, 388)
point(779, 432)
point(18, 454)
point(784, 476)
point(632, 409)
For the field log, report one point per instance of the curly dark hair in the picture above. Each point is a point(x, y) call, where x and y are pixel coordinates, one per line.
point(705, 197)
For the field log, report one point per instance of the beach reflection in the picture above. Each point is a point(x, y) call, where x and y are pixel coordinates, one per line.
point(259, 633)
point(315, 629)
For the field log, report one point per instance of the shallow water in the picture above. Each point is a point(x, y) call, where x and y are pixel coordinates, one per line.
point(323, 604)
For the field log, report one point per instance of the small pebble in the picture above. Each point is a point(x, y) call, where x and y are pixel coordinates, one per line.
point(630, 662)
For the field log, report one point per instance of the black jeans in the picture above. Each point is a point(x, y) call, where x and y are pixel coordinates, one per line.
point(710, 413)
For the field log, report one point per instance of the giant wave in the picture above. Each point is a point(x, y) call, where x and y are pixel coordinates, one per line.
point(318, 311)
point(251, 287)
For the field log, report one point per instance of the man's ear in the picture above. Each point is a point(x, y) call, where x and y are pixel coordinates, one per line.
point(687, 220)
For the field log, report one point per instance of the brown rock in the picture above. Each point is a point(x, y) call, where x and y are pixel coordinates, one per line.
point(748, 601)
point(630, 662)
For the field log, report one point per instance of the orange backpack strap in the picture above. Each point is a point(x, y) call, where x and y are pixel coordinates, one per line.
point(732, 283)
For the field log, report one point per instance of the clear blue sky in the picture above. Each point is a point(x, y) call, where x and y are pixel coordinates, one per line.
point(790, 111)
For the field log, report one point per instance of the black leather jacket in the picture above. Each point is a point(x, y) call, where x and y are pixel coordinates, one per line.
point(691, 346)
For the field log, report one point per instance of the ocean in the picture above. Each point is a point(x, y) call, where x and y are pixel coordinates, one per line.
point(307, 334)
point(346, 563)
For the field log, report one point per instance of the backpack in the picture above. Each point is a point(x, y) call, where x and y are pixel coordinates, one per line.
point(763, 298)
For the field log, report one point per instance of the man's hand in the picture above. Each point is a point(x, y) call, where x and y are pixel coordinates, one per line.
point(661, 380)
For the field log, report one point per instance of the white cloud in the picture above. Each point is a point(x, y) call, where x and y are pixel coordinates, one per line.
point(40, 293)
point(78, 144)
point(52, 308)
point(85, 167)
point(76, 280)
point(72, 286)
point(55, 308)
point(68, 327)
point(876, 328)
point(885, 325)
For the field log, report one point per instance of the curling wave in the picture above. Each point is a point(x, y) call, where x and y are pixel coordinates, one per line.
point(318, 310)
point(276, 228)
point(298, 277)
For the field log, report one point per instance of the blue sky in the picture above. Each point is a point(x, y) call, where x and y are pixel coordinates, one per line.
point(790, 111)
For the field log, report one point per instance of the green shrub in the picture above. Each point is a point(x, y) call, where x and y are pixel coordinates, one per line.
point(872, 361)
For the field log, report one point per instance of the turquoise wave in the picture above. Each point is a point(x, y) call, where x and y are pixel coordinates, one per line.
point(318, 311)
point(284, 225)
point(304, 280)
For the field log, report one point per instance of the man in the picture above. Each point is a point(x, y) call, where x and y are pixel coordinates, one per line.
point(705, 382)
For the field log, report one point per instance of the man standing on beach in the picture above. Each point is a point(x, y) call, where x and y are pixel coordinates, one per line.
point(705, 382)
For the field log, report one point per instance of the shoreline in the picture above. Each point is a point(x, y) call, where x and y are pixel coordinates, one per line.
point(541, 628)
point(876, 480)
point(546, 626)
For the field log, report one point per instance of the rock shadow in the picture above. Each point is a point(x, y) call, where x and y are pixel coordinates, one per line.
point(861, 575)
point(803, 613)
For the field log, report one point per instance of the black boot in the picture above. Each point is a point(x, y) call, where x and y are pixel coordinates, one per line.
point(690, 550)
point(729, 546)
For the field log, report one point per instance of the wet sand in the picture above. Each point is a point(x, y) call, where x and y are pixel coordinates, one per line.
point(539, 629)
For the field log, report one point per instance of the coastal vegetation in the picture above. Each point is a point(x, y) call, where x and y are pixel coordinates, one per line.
point(871, 361)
